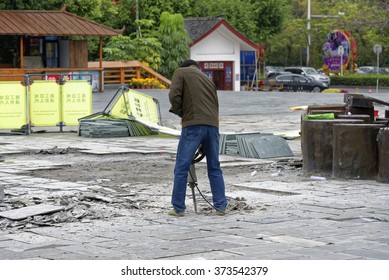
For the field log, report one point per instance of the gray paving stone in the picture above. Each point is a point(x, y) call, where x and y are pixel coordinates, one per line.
point(155, 250)
point(214, 255)
point(189, 235)
point(29, 237)
point(313, 209)
point(84, 239)
point(195, 247)
point(369, 254)
point(278, 255)
point(53, 254)
point(240, 241)
point(265, 249)
point(248, 232)
point(78, 234)
point(296, 241)
point(384, 240)
point(6, 254)
point(12, 245)
point(318, 254)
point(345, 245)
point(94, 252)
point(316, 232)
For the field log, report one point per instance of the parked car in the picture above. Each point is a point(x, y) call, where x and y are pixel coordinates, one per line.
point(321, 72)
point(364, 70)
point(309, 72)
point(371, 70)
point(296, 82)
point(272, 75)
point(273, 69)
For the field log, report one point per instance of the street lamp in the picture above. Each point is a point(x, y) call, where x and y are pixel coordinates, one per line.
point(308, 29)
point(309, 16)
point(137, 19)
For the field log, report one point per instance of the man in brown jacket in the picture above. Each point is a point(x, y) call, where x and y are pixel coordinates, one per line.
point(193, 97)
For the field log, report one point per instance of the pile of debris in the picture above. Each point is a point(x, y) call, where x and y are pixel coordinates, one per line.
point(105, 127)
point(35, 210)
point(129, 113)
point(254, 145)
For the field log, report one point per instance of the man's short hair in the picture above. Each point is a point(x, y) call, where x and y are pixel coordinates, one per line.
point(188, 63)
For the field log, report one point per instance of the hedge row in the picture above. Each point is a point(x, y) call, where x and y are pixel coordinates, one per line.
point(361, 80)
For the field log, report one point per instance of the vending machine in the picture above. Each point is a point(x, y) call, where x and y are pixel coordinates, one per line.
point(51, 56)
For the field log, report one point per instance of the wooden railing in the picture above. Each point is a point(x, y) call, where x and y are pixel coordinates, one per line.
point(17, 74)
point(117, 72)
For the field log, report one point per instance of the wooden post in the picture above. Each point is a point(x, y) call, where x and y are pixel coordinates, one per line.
point(21, 52)
point(122, 78)
point(101, 64)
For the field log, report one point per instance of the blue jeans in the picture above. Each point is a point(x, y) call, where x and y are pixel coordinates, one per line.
point(190, 140)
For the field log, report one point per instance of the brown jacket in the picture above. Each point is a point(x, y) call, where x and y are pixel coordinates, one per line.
point(193, 97)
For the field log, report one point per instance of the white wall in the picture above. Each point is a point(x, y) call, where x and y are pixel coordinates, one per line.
point(218, 47)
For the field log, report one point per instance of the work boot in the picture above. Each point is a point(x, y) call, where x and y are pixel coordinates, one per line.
point(220, 212)
point(173, 212)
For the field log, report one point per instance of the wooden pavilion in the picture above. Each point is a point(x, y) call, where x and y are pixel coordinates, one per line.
point(49, 42)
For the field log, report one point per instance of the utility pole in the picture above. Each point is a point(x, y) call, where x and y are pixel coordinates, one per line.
point(309, 16)
point(137, 18)
point(308, 31)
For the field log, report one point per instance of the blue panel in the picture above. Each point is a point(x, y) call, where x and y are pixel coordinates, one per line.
point(247, 57)
point(247, 71)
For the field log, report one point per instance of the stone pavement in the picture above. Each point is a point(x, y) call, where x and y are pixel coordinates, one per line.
point(320, 220)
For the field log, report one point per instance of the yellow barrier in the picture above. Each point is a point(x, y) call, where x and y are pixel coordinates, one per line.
point(76, 101)
point(45, 103)
point(12, 105)
point(138, 105)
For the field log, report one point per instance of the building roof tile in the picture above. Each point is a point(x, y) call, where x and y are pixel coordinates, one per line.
point(50, 23)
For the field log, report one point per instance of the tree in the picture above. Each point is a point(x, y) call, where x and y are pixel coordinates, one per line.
point(145, 48)
point(152, 9)
point(269, 17)
point(31, 4)
point(365, 20)
point(175, 42)
point(239, 14)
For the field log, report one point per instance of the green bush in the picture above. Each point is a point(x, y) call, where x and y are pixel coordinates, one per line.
point(360, 80)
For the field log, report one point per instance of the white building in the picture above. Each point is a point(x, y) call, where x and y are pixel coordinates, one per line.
point(219, 48)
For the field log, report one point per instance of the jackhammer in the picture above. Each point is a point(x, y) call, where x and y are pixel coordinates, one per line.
point(192, 177)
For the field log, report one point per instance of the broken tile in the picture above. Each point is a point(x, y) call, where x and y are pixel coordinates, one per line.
point(29, 211)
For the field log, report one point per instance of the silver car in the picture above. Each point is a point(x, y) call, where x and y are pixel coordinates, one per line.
point(309, 72)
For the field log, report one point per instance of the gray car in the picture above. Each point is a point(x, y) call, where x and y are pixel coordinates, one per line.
point(309, 72)
point(295, 82)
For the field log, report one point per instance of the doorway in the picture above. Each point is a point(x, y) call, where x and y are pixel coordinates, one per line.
point(220, 72)
point(218, 79)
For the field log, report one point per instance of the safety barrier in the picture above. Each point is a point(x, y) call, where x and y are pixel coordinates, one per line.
point(129, 113)
point(42, 102)
point(13, 104)
point(134, 104)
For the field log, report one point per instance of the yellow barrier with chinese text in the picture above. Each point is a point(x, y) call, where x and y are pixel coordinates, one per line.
point(76, 101)
point(45, 103)
point(138, 105)
point(12, 105)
